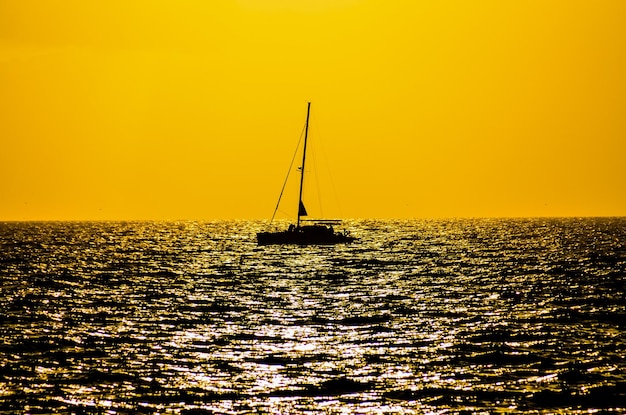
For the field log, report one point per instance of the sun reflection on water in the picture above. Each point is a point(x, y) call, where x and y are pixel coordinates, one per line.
point(417, 317)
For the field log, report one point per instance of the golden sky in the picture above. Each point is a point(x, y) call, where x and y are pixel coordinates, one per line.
point(191, 109)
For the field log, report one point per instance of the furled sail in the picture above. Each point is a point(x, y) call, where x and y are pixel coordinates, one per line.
point(302, 210)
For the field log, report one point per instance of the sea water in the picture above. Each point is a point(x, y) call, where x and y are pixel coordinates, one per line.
point(442, 316)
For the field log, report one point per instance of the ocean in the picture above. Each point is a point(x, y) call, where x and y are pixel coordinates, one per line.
point(439, 316)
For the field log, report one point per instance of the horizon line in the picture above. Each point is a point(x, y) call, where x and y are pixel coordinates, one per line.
point(415, 218)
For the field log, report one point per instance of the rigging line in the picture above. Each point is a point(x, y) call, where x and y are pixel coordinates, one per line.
point(317, 176)
point(288, 172)
point(326, 168)
point(283, 212)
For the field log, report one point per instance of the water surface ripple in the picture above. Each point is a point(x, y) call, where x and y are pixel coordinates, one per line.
point(441, 316)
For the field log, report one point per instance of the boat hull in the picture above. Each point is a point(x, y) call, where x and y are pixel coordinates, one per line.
point(308, 235)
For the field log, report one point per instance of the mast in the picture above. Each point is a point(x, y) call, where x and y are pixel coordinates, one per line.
point(306, 134)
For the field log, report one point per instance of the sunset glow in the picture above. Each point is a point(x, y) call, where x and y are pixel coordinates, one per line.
point(192, 109)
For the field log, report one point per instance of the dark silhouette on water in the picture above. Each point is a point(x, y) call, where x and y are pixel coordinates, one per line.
point(319, 232)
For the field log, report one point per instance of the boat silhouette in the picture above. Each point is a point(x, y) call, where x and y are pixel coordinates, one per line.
point(306, 231)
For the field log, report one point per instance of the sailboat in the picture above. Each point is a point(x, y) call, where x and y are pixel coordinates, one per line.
point(314, 232)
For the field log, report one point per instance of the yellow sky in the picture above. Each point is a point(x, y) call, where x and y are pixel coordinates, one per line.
point(191, 109)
